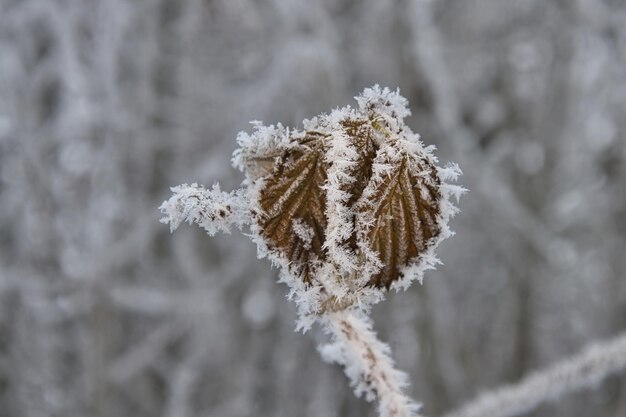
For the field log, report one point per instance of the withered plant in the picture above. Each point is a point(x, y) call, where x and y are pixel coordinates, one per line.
point(348, 207)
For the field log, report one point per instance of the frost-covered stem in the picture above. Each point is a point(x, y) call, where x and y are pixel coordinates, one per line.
point(368, 364)
point(583, 370)
point(214, 210)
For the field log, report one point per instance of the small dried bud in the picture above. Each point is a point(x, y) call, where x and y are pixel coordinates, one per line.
point(348, 207)
point(355, 193)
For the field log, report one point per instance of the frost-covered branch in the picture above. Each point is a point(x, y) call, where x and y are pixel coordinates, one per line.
point(213, 210)
point(584, 370)
point(368, 364)
point(350, 207)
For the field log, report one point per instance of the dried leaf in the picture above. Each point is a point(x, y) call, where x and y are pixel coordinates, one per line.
point(346, 206)
point(402, 207)
point(403, 212)
point(294, 205)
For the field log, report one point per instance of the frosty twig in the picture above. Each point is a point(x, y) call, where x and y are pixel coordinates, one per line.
point(583, 370)
point(368, 364)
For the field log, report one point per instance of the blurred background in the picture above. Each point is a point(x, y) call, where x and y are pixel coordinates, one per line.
point(104, 104)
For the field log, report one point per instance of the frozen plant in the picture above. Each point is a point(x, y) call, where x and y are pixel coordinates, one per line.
point(348, 207)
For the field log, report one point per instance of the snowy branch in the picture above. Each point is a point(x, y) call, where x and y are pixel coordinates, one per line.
point(584, 370)
point(213, 210)
point(368, 364)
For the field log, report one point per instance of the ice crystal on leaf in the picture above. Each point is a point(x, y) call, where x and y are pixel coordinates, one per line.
point(348, 207)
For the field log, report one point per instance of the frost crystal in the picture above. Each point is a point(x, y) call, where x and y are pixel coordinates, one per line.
point(304, 232)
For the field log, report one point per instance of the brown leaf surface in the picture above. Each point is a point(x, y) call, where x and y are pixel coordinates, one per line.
point(294, 192)
point(405, 207)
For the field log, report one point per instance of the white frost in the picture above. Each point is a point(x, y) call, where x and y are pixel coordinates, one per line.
point(303, 231)
point(213, 210)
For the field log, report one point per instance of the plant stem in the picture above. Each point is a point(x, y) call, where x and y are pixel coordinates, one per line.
point(368, 363)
